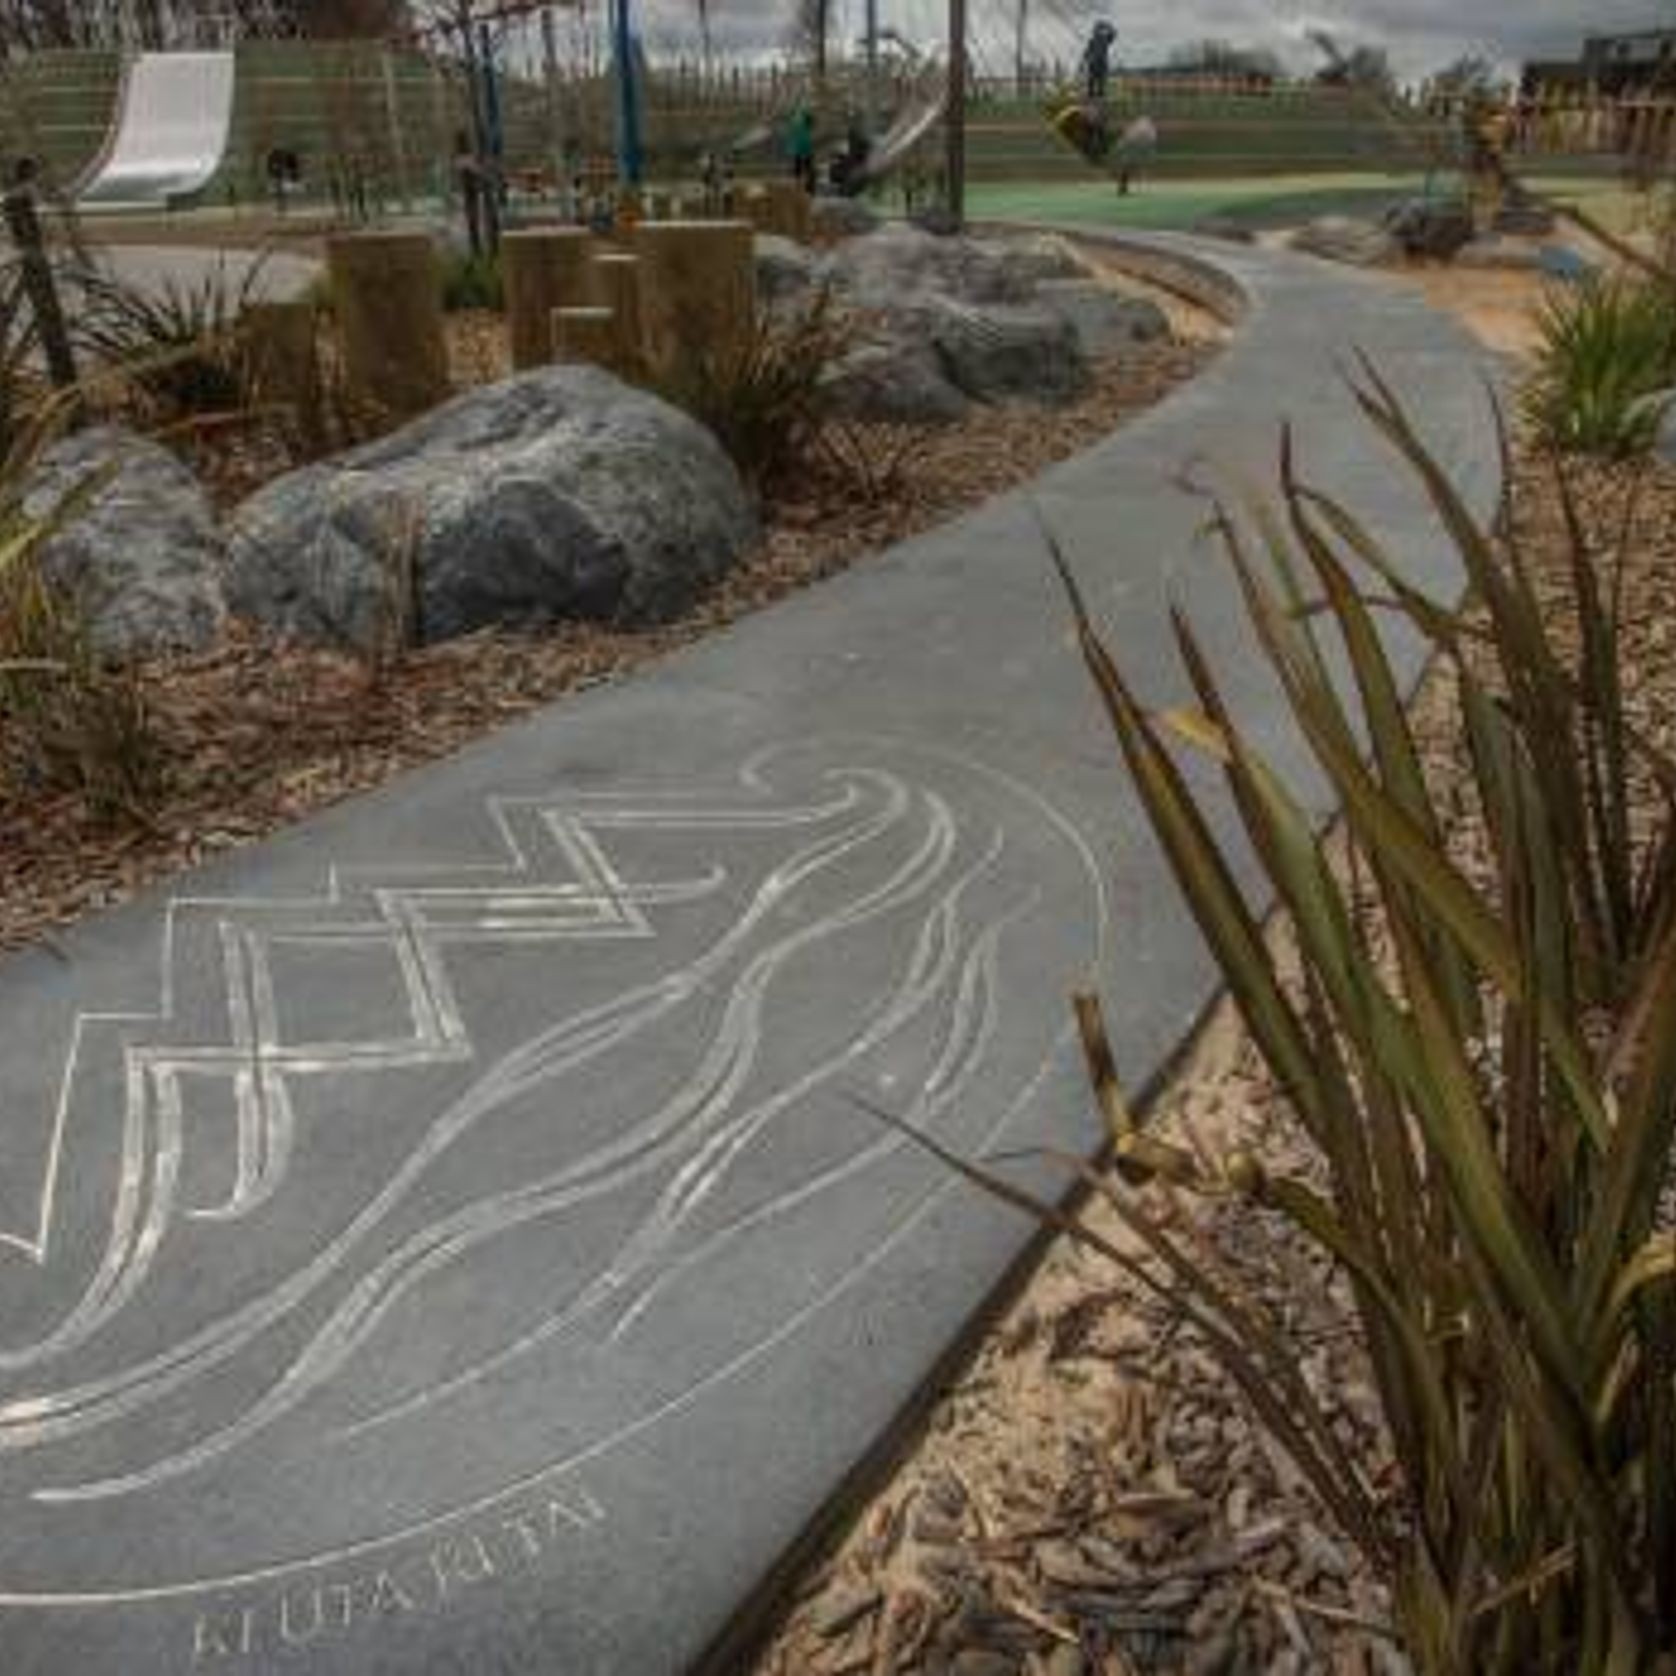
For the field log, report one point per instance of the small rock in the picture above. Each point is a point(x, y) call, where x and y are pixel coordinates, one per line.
point(1434, 227)
point(938, 221)
point(1339, 238)
point(842, 1607)
point(944, 1492)
point(842, 218)
point(993, 353)
point(1225, 228)
point(142, 556)
point(901, 383)
point(785, 269)
point(1105, 321)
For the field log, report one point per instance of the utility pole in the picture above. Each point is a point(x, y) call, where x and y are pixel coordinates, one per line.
point(1021, 28)
point(955, 123)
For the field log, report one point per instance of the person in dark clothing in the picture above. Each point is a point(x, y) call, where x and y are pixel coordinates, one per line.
point(1097, 59)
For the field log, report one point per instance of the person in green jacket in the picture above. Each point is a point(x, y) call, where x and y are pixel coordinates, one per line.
point(800, 144)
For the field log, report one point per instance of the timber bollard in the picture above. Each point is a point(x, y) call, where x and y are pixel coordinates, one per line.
point(282, 352)
point(790, 209)
point(40, 285)
point(617, 277)
point(586, 334)
point(697, 287)
point(387, 291)
point(545, 268)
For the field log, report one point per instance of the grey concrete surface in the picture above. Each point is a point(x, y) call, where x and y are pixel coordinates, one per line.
point(274, 276)
point(449, 1237)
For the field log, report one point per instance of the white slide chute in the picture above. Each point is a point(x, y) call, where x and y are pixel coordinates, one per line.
point(171, 131)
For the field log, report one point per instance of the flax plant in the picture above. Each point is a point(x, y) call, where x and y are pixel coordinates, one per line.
point(1483, 1060)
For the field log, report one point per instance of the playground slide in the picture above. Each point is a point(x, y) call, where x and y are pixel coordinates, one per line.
point(911, 126)
point(171, 131)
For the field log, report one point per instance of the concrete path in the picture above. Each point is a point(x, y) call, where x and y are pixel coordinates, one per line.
point(274, 277)
point(447, 1238)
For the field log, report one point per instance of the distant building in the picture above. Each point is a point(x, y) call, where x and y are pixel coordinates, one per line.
point(1642, 61)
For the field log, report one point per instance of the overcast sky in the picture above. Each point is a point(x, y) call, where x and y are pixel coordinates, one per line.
point(1420, 34)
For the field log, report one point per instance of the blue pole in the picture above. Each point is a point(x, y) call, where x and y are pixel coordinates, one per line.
point(630, 160)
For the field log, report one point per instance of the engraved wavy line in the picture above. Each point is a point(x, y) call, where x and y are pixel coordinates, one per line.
point(927, 976)
point(963, 1052)
point(699, 1390)
point(727, 1068)
point(29, 1421)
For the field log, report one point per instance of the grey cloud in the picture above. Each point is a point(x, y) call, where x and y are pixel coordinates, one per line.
point(1420, 34)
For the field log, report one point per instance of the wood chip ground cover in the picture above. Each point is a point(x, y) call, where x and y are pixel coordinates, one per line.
point(256, 735)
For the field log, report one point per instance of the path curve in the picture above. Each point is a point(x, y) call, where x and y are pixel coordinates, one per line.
point(451, 1234)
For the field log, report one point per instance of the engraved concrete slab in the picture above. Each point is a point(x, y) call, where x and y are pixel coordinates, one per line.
point(446, 1238)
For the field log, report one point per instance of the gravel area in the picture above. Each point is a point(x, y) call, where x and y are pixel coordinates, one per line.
point(1092, 1496)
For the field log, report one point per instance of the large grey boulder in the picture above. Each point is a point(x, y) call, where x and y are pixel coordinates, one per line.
point(1339, 238)
point(1106, 322)
point(1000, 351)
point(559, 493)
point(841, 218)
point(900, 263)
point(142, 556)
point(785, 269)
point(899, 382)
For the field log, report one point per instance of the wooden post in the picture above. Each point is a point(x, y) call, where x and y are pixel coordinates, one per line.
point(35, 268)
point(697, 286)
point(388, 296)
point(617, 277)
point(543, 268)
point(790, 212)
point(587, 334)
point(284, 361)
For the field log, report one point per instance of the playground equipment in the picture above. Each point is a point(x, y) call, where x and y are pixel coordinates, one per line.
point(913, 124)
point(171, 132)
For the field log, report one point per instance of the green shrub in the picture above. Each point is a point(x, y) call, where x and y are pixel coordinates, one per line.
point(1607, 346)
point(1483, 1062)
point(179, 343)
point(471, 282)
